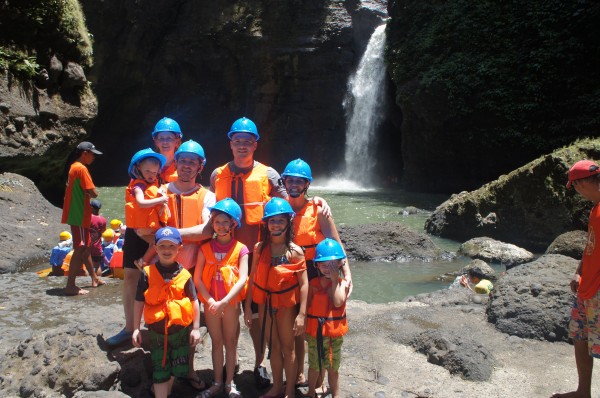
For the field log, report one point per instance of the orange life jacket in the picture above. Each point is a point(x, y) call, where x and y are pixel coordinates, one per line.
point(228, 267)
point(147, 217)
point(168, 301)
point(169, 173)
point(307, 231)
point(116, 261)
point(256, 190)
point(323, 318)
point(186, 210)
point(279, 284)
point(335, 323)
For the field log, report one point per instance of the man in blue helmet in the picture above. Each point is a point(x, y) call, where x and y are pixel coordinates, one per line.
point(251, 184)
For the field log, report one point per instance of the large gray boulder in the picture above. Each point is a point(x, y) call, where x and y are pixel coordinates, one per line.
point(570, 244)
point(390, 241)
point(528, 207)
point(30, 224)
point(534, 300)
point(494, 251)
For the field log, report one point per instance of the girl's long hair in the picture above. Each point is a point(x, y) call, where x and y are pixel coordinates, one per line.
point(265, 236)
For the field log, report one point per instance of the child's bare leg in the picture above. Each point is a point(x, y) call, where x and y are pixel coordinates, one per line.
point(276, 358)
point(299, 347)
point(215, 329)
point(333, 378)
point(89, 266)
point(313, 378)
point(231, 324)
point(162, 390)
point(285, 326)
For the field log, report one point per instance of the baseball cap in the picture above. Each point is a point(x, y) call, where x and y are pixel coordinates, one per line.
point(88, 146)
point(96, 203)
point(168, 233)
point(582, 169)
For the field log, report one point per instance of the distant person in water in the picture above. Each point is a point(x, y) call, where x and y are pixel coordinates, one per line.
point(584, 328)
point(477, 278)
point(77, 212)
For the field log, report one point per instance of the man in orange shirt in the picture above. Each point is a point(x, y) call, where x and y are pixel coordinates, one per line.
point(77, 212)
point(584, 328)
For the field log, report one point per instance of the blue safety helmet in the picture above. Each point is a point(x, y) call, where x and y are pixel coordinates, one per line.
point(243, 125)
point(277, 206)
point(329, 249)
point(297, 168)
point(167, 125)
point(141, 155)
point(191, 146)
point(229, 207)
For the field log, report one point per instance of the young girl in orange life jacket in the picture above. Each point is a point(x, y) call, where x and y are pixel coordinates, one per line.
point(220, 277)
point(279, 285)
point(326, 322)
point(145, 203)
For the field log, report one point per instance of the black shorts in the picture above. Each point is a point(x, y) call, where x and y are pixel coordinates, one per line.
point(134, 248)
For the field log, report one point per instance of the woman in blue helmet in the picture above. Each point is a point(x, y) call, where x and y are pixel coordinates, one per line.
point(167, 137)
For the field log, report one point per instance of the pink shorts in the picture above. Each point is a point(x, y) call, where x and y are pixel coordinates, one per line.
point(81, 236)
point(584, 323)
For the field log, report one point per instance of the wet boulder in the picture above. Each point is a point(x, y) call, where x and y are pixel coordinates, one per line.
point(570, 244)
point(534, 300)
point(491, 250)
point(388, 241)
point(480, 266)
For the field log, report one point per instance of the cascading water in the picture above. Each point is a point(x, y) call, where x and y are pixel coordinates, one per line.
point(364, 109)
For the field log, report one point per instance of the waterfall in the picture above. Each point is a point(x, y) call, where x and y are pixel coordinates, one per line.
point(364, 109)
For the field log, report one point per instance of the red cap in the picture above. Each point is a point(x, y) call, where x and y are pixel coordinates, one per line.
point(582, 169)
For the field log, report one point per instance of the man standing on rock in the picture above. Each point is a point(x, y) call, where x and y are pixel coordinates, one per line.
point(251, 184)
point(77, 213)
point(584, 328)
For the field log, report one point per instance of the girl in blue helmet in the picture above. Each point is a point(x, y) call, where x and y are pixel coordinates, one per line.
point(220, 277)
point(279, 285)
point(146, 208)
point(167, 137)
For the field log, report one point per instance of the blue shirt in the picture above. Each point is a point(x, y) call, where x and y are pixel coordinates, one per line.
point(58, 255)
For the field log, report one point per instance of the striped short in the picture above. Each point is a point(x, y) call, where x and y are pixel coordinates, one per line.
point(333, 352)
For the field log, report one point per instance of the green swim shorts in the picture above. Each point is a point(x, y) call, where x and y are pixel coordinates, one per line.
point(333, 352)
point(178, 350)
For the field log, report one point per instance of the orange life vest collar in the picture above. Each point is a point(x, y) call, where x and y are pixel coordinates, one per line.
point(228, 267)
point(307, 230)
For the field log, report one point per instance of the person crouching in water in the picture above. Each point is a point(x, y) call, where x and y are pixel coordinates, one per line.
point(220, 276)
point(167, 296)
point(146, 204)
point(326, 317)
point(278, 283)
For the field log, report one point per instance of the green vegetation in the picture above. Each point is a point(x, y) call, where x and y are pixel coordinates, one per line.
point(512, 72)
point(31, 31)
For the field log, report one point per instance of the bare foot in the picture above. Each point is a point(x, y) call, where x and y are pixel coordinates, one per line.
point(98, 282)
point(75, 291)
point(572, 394)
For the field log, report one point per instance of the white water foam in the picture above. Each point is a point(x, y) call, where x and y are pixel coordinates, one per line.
point(339, 184)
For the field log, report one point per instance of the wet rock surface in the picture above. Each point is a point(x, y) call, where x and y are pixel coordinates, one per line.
point(491, 250)
point(390, 241)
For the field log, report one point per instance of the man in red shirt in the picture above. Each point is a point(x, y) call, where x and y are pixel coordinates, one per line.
point(77, 212)
point(584, 328)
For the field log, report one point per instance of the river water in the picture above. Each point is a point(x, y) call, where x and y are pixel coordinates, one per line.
point(374, 282)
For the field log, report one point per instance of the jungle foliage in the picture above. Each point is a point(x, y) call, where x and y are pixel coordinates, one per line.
point(512, 71)
point(32, 30)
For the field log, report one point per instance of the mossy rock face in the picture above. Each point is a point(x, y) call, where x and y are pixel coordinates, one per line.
point(531, 204)
point(485, 87)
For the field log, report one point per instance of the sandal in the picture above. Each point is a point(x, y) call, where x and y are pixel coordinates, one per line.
point(211, 391)
point(232, 391)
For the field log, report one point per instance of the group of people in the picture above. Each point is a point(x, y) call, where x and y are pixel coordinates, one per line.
point(253, 239)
